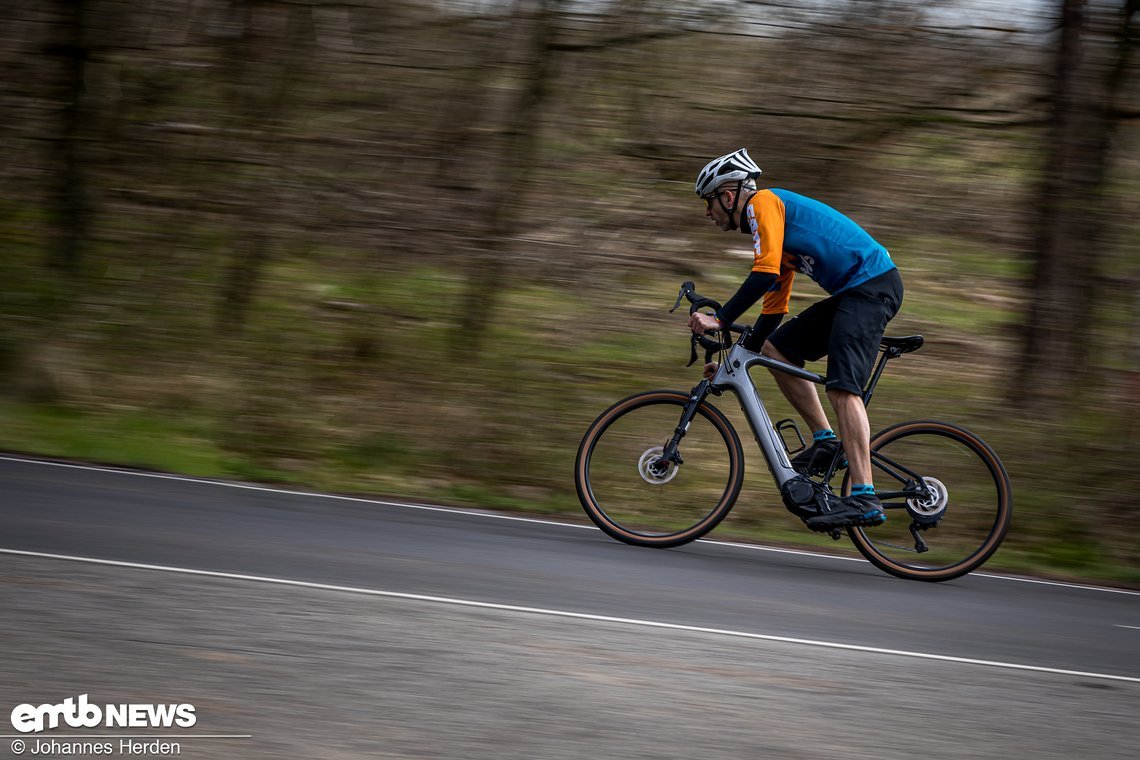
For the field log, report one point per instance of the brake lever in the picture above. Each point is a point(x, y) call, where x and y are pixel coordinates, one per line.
point(708, 344)
point(686, 287)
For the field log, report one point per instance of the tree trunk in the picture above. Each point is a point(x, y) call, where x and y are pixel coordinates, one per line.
point(514, 172)
point(260, 96)
point(1055, 322)
point(71, 206)
point(1072, 220)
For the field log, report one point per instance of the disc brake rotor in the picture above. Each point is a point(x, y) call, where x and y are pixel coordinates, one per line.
point(646, 466)
point(934, 502)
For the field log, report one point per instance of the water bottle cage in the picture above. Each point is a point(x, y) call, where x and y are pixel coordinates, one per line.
point(787, 424)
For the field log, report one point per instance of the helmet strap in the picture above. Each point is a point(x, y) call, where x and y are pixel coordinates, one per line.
point(735, 202)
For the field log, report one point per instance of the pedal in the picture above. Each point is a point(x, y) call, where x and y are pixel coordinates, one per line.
point(835, 533)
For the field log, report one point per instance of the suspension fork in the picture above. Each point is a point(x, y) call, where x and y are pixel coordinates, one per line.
point(696, 397)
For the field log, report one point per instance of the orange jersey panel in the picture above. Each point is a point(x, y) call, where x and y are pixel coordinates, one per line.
point(766, 215)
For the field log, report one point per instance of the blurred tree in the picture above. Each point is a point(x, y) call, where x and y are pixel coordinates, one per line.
point(537, 21)
point(1093, 49)
point(264, 64)
point(465, 106)
point(72, 205)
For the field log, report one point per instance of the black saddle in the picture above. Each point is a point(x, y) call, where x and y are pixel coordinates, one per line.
point(903, 345)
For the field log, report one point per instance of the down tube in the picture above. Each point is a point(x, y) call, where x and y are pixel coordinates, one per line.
point(772, 446)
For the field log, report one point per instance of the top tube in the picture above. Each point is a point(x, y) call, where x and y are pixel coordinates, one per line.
point(770, 363)
point(784, 367)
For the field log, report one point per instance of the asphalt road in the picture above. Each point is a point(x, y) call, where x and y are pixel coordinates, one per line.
point(128, 517)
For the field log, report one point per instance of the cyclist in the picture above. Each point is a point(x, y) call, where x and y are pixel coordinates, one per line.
point(792, 233)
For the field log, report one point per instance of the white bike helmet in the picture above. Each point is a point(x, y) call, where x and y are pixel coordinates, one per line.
point(737, 166)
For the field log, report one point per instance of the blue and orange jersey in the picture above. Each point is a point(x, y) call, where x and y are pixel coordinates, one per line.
point(792, 233)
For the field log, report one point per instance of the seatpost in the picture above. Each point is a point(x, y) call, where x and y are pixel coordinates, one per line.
point(888, 353)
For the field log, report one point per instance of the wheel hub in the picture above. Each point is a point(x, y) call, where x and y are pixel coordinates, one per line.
point(653, 469)
point(932, 503)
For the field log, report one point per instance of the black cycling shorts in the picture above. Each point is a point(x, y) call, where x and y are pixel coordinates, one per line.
point(846, 328)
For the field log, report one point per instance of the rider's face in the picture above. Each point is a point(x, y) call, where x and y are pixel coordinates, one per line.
point(716, 211)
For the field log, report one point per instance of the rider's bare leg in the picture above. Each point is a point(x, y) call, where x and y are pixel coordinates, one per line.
point(855, 430)
point(801, 394)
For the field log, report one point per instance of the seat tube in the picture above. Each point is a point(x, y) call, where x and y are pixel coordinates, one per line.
point(870, 389)
point(734, 375)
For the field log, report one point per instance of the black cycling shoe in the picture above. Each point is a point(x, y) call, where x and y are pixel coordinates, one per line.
point(863, 511)
point(815, 459)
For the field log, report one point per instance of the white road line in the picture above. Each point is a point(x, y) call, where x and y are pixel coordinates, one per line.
point(289, 492)
point(574, 615)
point(1058, 584)
point(1133, 627)
point(498, 516)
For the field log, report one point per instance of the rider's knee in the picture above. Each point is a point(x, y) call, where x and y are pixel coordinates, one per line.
point(843, 396)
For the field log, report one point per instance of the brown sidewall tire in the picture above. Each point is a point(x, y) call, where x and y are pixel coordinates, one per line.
point(598, 515)
point(1001, 523)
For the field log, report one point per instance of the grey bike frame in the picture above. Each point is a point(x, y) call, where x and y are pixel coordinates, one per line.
point(733, 376)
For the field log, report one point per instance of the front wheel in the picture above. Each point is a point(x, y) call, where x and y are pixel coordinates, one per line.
point(947, 497)
point(634, 496)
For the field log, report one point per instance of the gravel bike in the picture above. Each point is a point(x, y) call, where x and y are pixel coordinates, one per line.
point(663, 468)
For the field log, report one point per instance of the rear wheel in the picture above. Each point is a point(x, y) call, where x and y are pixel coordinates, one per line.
point(634, 496)
point(947, 497)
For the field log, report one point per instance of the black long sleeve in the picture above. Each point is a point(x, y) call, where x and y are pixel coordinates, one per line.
point(766, 324)
point(749, 292)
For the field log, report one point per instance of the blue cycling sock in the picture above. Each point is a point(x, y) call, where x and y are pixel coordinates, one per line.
point(823, 435)
point(863, 489)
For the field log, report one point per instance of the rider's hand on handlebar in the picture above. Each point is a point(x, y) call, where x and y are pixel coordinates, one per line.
point(702, 323)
